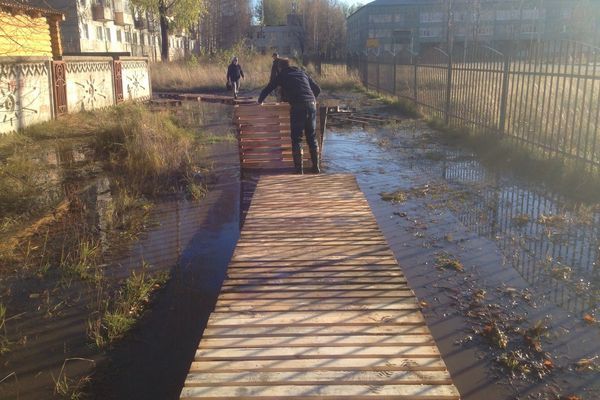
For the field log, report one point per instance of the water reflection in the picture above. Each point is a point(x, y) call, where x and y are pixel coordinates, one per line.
point(50, 314)
point(559, 256)
point(512, 236)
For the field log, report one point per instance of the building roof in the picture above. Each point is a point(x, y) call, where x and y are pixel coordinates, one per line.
point(20, 8)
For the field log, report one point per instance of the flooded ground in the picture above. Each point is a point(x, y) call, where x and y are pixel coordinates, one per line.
point(507, 273)
point(47, 326)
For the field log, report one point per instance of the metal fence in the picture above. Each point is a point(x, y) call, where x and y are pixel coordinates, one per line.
point(544, 95)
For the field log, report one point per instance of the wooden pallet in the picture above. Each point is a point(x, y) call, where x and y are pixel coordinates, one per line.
point(208, 98)
point(315, 306)
point(264, 136)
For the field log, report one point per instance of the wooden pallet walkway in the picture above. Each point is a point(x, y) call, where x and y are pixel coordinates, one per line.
point(264, 136)
point(315, 306)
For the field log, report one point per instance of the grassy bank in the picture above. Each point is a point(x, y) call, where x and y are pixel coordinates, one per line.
point(209, 74)
point(148, 153)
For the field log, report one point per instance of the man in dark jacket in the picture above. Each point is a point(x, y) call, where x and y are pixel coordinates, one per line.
point(274, 72)
point(301, 92)
point(234, 73)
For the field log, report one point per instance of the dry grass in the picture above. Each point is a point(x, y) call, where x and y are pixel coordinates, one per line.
point(209, 74)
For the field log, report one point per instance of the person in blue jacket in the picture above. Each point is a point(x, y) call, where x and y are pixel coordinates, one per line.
point(301, 92)
point(234, 73)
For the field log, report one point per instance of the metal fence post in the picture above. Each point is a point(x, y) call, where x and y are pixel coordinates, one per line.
point(394, 76)
point(504, 95)
point(377, 62)
point(415, 90)
point(448, 89)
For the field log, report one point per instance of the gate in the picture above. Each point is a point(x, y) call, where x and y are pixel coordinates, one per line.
point(60, 87)
point(118, 71)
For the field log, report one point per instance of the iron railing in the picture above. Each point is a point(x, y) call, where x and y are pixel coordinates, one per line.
point(545, 95)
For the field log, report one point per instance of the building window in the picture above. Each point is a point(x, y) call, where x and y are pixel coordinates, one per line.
point(486, 30)
point(85, 33)
point(99, 33)
point(432, 17)
point(533, 14)
point(529, 28)
point(134, 38)
point(127, 37)
point(430, 32)
point(142, 39)
point(399, 18)
point(380, 19)
point(108, 35)
point(119, 36)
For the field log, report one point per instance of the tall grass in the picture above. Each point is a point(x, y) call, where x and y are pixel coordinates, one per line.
point(209, 73)
point(115, 318)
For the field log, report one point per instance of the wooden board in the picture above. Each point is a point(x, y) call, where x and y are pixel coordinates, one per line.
point(315, 306)
point(264, 136)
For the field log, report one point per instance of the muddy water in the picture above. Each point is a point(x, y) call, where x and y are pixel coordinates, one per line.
point(193, 240)
point(521, 266)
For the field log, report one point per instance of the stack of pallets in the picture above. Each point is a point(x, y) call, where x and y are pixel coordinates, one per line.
point(264, 136)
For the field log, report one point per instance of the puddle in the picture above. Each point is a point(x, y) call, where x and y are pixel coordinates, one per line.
point(193, 240)
point(528, 256)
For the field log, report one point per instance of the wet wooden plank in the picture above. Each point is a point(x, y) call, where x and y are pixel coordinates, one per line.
point(315, 306)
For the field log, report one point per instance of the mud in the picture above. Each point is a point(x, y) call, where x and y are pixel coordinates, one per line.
point(526, 280)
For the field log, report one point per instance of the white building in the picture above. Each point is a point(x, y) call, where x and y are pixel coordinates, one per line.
point(112, 27)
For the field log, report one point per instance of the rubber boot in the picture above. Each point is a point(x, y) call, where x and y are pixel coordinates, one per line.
point(314, 156)
point(297, 154)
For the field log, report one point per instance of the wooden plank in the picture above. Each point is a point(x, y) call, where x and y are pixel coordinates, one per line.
point(330, 341)
point(324, 364)
point(323, 391)
point(312, 318)
point(315, 305)
point(322, 330)
point(314, 377)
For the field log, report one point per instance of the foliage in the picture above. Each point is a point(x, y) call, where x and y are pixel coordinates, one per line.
point(180, 14)
point(272, 12)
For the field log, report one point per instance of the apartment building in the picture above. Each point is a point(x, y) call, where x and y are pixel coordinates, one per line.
point(113, 27)
point(394, 25)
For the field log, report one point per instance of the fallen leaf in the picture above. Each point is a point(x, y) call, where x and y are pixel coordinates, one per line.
point(423, 303)
point(589, 319)
point(548, 364)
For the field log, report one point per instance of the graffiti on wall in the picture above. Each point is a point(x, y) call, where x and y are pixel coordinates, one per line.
point(89, 84)
point(21, 94)
point(92, 93)
point(136, 81)
point(136, 87)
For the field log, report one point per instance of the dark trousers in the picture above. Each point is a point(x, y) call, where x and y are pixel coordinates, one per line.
point(303, 118)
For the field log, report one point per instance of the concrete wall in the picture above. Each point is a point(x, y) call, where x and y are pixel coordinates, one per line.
point(136, 78)
point(89, 83)
point(25, 92)
point(26, 88)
